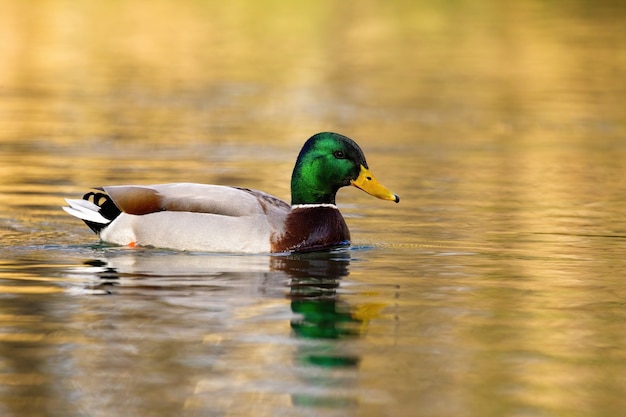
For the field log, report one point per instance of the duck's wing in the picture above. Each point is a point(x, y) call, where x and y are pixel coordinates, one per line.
point(194, 198)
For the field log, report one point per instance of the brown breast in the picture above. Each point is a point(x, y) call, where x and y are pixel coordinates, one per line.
point(312, 228)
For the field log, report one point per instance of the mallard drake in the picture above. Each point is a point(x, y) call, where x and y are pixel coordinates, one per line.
point(218, 218)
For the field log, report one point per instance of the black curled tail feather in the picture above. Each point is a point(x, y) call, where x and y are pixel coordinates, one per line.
point(108, 209)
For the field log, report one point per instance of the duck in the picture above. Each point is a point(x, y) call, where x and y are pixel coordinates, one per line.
point(227, 219)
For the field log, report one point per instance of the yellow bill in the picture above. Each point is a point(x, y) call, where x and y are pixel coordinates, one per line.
point(370, 185)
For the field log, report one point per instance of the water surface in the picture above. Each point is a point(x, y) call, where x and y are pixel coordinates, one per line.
point(495, 288)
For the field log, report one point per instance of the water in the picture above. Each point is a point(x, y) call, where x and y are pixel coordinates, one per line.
point(495, 288)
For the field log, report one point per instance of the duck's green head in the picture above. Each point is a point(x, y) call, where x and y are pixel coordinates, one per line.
point(327, 162)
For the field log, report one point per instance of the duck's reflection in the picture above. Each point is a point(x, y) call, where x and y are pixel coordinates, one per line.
point(321, 315)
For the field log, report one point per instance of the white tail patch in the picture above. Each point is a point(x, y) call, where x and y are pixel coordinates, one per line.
point(85, 210)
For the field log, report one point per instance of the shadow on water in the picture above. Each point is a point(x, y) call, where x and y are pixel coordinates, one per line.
point(321, 320)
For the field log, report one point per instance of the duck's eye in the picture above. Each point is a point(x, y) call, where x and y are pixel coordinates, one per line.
point(339, 155)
